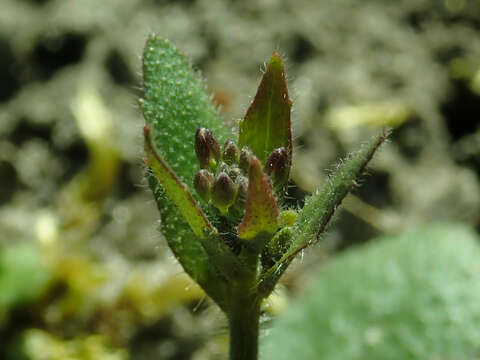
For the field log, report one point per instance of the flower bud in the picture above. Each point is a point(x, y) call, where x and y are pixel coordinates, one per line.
point(203, 183)
point(224, 192)
point(206, 147)
point(280, 243)
point(245, 159)
point(242, 186)
point(223, 168)
point(230, 152)
point(277, 166)
point(234, 173)
point(213, 145)
point(288, 218)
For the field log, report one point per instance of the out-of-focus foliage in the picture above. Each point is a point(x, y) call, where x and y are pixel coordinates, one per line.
point(23, 278)
point(411, 296)
point(68, 71)
point(39, 345)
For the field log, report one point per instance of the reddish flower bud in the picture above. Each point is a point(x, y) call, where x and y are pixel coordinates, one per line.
point(203, 183)
point(213, 145)
point(245, 159)
point(242, 186)
point(230, 152)
point(277, 166)
point(234, 173)
point(223, 168)
point(206, 147)
point(224, 192)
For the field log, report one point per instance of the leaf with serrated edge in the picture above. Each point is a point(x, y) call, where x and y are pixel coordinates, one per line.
point(175, 105)
point(320, 207)
point(266, 125)
point(176, 190)
point(186, 247)
point(261, 211)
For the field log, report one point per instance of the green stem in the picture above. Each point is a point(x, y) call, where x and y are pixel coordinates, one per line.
point(244, 316)
point(244, 309)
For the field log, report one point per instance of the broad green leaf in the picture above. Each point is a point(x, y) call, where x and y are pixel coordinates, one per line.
point(186, 247)
point(175, 105)
point(177, 206)
point(412, 296)
point(266, 125)
point(261, 211)
point(176, 191)
point(319, 209)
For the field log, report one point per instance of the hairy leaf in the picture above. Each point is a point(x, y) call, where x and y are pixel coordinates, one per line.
point(177, 192)
point(266, 125)
point(187, 248)
point(228, 265)
point(313, 219)
point(412, 296)
point(175, 105)
point(261, 211)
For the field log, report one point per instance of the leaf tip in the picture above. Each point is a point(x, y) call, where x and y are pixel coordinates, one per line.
point(276, 59)
point(261, 210)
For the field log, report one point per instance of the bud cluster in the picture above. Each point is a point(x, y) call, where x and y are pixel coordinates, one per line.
point(223, 176)
point(220, 181)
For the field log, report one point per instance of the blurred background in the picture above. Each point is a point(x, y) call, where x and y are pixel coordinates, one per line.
point(84, 274)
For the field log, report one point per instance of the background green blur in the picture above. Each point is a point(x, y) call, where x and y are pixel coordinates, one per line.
point(84, 274)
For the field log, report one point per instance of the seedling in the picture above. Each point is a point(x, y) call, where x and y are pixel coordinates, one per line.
point(221, 195)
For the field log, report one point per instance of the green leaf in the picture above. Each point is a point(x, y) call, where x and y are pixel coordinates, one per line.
point(177, 192)
point(319, 209)
point(266, 125)
point(261, 211)
point(227, 264)
point(412, 296)
point(175, 105)
point(188, 248)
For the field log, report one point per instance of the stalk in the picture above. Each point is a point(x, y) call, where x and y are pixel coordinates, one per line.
point(244, 310)
point(244, 316)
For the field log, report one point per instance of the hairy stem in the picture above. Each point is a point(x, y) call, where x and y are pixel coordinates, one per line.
point(244, 324)
point(244, 313)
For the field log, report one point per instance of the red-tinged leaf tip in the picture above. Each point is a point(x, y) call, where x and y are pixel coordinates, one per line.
point(266, 125)
point(261, 211)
